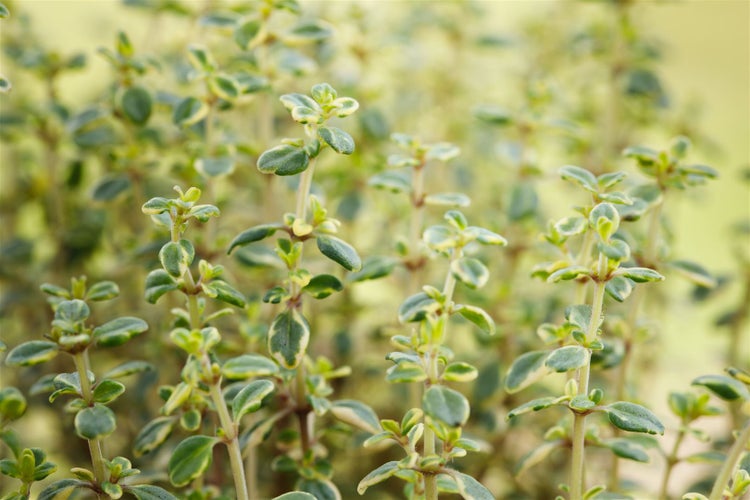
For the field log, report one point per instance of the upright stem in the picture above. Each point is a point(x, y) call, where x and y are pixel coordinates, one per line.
point(232, 441)
point(306, 422)
point(577, 486)
point(725, 475)
point(430, 480)
point(95, 447)
point(415, 225)
point(303, 190)
point(671, 461)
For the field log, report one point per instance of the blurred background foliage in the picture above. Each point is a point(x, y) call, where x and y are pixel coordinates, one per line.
point(521, 87)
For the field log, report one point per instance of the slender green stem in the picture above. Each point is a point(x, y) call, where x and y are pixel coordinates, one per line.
point(95, 447)
point(725, 475)
point(232, 441)
point(303, 190)
point(671, 462)
point(306, 418)
point(303, 413)
point(415, 225)
point(430, 448)
point(577, 486)
point(583, 256)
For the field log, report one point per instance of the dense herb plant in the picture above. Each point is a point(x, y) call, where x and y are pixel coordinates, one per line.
point(307, 382)
point(262, 373)
point(599, 261)
point(424, 357)
point(72, 334)
point(733, 478)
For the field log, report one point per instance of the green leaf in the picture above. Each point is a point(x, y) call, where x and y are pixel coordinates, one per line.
point(405, 372)
point(460, 372)
point(339, 251)
point(634, 418)
point(525, 370)
point(248, 366)
point(321, 489)
point(395, 181)
point(470, 272)
point(628, 449)
point(357, 414)
point(66, 383)
point(32, 353)
point(616, 250)
point(190, 459)
point(4, 12)
point(378, 475)
point(111, 490)
point(493, 115)
point(72, 311)
point(103, 290)
point(291, 101)
point(136, 104)
point(129, 368)
point(524, 201)
point(445, 405)
point(533, 405)
point(255, 233)
point(694, 272)
point(619, 288)
point(108, 390)
point(469, 488)
point(288, 338)
point(571, 226)
point(579, 316)
point(148, 492)
point(191, 420)
point(537, 455)
point(214, 167)
point(250, 398)
point(345, 106)
point(189, 111)
point(605, 219)
point(283, 160)
point(448, 200)
point(224, 87)
point(567, 358)
point(340, 141)
point(246, 32)
point(310, 31)
point(156, 206)
point(61, 490)
point(110, 187)
point(727, 388)
point(295, 495)
point(374, 267)
point(12, 404)
point(223, 291)
point(158, 282)
point(579, 176)
point(568, 273)
point(478, 316)
point(639, 274)
point(95, 422)
point(323, 285)
point(174, 259)
point(153, 435)
point(118, 331)
point(416, 307)
point(5, 85)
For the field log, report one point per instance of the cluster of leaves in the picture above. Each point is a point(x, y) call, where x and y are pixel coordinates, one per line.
point(240, 365)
